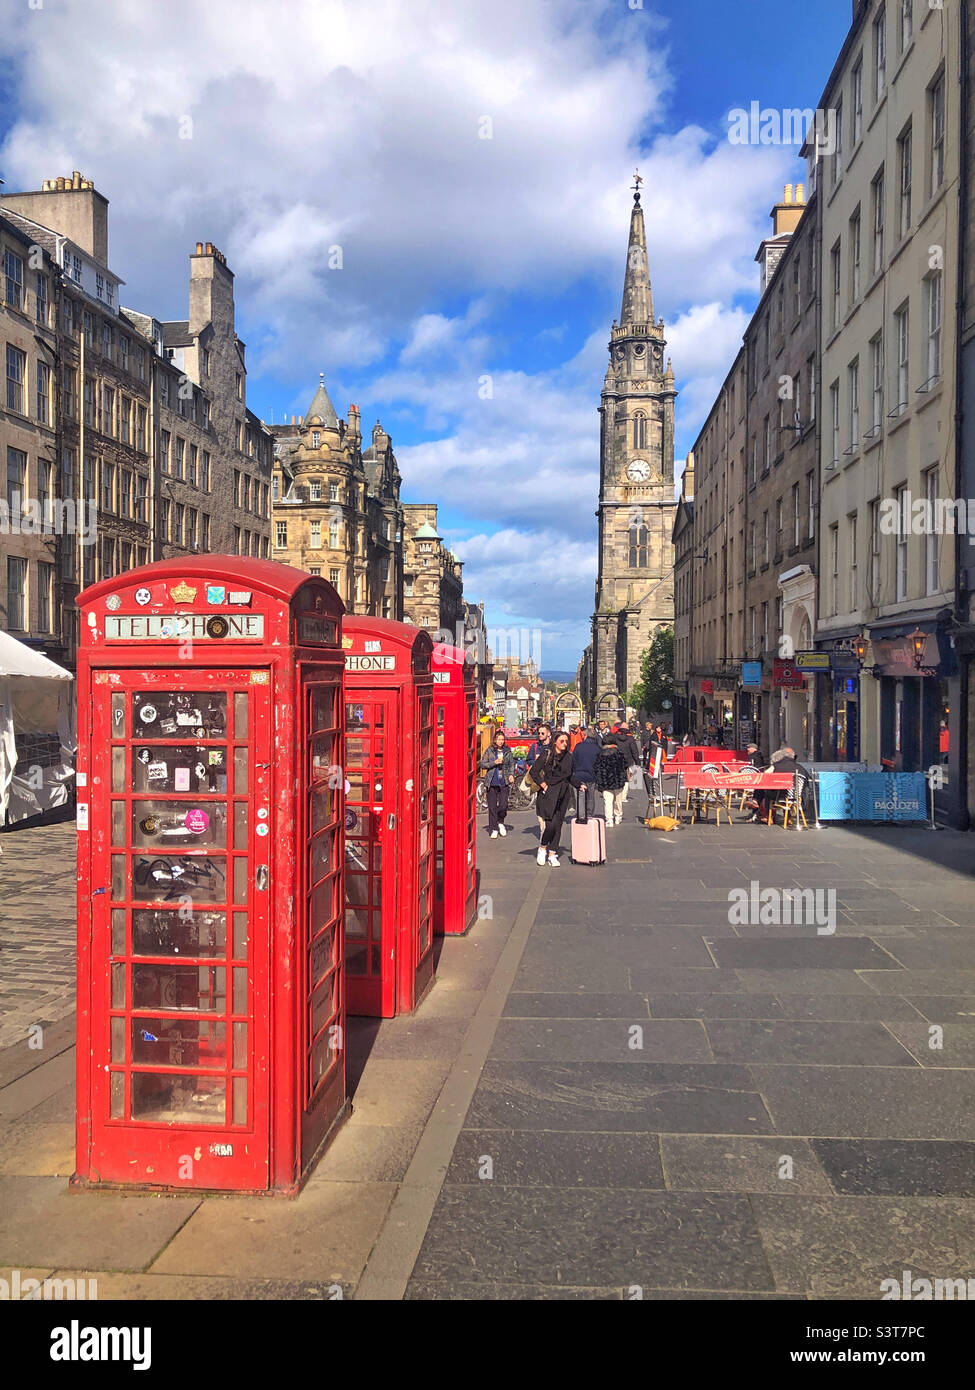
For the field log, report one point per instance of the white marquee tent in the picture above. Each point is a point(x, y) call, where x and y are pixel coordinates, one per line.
point(37, 732)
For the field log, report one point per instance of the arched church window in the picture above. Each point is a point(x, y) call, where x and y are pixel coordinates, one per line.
point(639, 430)
point(638, 547)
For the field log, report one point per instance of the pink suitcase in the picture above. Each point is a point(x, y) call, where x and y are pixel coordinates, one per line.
point(588, 841)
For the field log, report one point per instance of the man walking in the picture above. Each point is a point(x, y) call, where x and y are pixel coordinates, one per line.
point(584, 771)
point(630, 750)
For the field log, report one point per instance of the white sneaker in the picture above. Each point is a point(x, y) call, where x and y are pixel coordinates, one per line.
point(501, 831)
point(494, 834)
point(540, 856)
point(553, 859)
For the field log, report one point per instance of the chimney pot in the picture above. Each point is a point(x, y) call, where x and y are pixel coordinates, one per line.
point(199, 248)
point(800, 193)
point(788, 193)
point(76, 178)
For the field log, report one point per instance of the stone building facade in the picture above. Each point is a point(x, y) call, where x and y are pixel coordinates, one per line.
point(635, 582)
point(965, 574)
point(888, 225)
point(150, 419)
point(433, 576)
point(781, 494)
point(713, 561)
point(336, 507)
point(34, 541)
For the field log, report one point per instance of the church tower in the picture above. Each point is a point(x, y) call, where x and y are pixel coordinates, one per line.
point(635, 584)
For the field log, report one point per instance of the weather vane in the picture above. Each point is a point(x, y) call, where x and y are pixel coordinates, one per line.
point(636, 186)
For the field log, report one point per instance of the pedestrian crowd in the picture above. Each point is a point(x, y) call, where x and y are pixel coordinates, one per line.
point(591, 769)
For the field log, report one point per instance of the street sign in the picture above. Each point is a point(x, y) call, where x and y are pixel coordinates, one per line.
point(811, 661)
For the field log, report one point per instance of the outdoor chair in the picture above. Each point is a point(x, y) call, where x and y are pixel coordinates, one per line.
point(704, 800)
point(662, 792)
point(790, 806)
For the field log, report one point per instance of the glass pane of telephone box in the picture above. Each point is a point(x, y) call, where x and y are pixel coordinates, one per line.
point(165, 825)
point(323, 758)
point(176, 714)
point(159, 769)
point(178, 932)
point(200, 988)
point(179, 1099)
point(322, 706)
point(187, 878)
point(179, 1042)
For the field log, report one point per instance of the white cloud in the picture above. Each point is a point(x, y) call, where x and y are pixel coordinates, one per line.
point(357, 124)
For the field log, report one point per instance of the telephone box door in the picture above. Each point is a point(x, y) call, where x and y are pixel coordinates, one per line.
point(371, 810)
point(180, 803)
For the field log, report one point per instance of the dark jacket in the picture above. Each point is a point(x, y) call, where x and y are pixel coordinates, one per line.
point(610, 768)
point(584, 761)
point(556, 772)
point(789, 765)
point(629, 747)
point(646, 738)
point(507, 768)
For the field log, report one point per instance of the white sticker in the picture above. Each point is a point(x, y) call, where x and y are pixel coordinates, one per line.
point(82, 815)
point(82, 779)
point(373, 647)
point(92, 619)
point(261, 829)
point(409, 784)
point(142, 597)
point(181, 779)
point(113, 603)
point(157, 772)
point(188, 718)
point(147, 713)
point(262, 813)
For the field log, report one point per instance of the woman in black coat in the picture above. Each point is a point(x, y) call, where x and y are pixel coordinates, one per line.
point(552, 773)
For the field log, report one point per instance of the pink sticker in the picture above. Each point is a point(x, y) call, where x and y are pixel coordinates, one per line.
point(197, 822)
point(182, 779)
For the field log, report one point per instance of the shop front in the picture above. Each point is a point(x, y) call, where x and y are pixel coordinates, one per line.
point(919, 707)
point(841, 692)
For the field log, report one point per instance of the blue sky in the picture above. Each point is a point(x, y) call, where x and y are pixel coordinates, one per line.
point(472, 160)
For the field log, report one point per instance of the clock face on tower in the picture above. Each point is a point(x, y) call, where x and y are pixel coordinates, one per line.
point(638, 471)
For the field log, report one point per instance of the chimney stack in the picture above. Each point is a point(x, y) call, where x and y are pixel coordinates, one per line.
point(70, 206)
point(211, 290)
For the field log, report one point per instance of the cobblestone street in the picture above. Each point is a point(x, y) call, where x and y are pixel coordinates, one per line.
point(37, 928)
point(610, 1086)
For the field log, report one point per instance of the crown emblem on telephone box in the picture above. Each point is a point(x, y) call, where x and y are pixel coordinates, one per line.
point(182, 592)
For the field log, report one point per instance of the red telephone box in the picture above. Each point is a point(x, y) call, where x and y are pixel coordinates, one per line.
point(210, 852)
point(455, 713)
point(389, 816)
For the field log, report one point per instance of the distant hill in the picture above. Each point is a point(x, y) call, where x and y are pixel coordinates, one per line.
point(562, 676)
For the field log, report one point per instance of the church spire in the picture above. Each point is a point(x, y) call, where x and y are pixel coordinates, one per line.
point(637, 295)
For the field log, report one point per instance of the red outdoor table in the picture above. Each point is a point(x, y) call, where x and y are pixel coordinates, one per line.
point(697, 780)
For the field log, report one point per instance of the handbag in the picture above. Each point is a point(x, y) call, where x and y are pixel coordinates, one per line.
point(530, 777)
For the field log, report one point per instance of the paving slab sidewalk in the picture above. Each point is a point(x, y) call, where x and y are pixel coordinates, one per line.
point(610, 1086)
